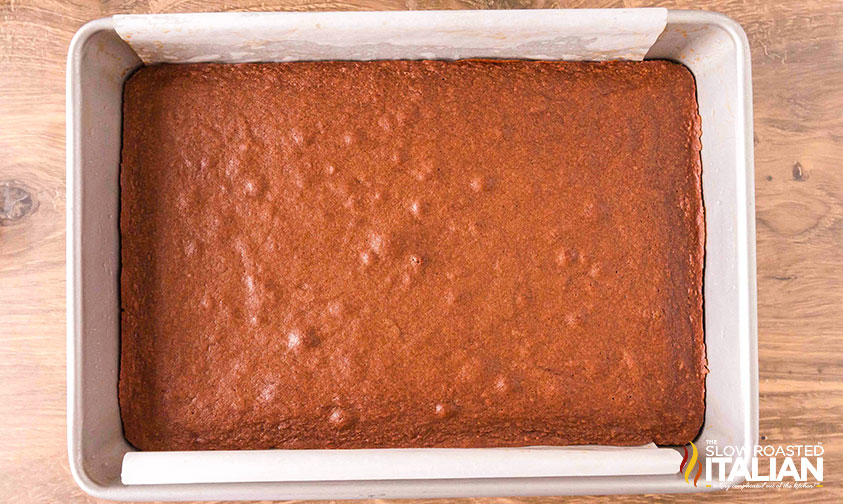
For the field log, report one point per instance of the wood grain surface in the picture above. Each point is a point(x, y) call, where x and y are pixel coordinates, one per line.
point(797, 65)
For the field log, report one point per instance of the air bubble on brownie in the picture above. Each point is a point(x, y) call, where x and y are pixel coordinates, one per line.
point(350, 203)
point(522, 299)
point(562, 258)
point(629, 361)
point(366, 258)
point(383, 122)
point(569, 256)
point(297, 136)
point(502, 384)
point(250, 188)
point(444, 410)
point(397, 157)
point(330, 169)
point(476, 184)
point(335, 308)
point(481, 183)
point(348, 138)
point(415, 209)
point(294, 339)
point(376, 242)
point(298, 339)
point(268, 392)
point(298, 178)
point(415, 260)
point(341, 418)
point(391, 329)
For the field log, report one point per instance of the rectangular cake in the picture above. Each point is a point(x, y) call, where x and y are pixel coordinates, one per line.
point(411, 254)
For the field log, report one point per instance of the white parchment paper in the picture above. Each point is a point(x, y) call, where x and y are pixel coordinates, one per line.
point(146, 468)
point(585, 34)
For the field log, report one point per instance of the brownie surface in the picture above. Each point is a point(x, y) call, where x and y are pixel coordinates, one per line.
point(411, 254)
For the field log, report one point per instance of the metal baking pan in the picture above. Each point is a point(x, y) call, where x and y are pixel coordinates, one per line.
point(711, 45)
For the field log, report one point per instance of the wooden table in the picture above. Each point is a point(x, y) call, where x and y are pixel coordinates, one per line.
point(797, 65)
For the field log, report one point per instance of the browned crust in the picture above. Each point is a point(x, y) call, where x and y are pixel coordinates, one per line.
point(407, 254)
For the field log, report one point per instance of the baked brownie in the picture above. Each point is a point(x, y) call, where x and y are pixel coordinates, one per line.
point(411, 254)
